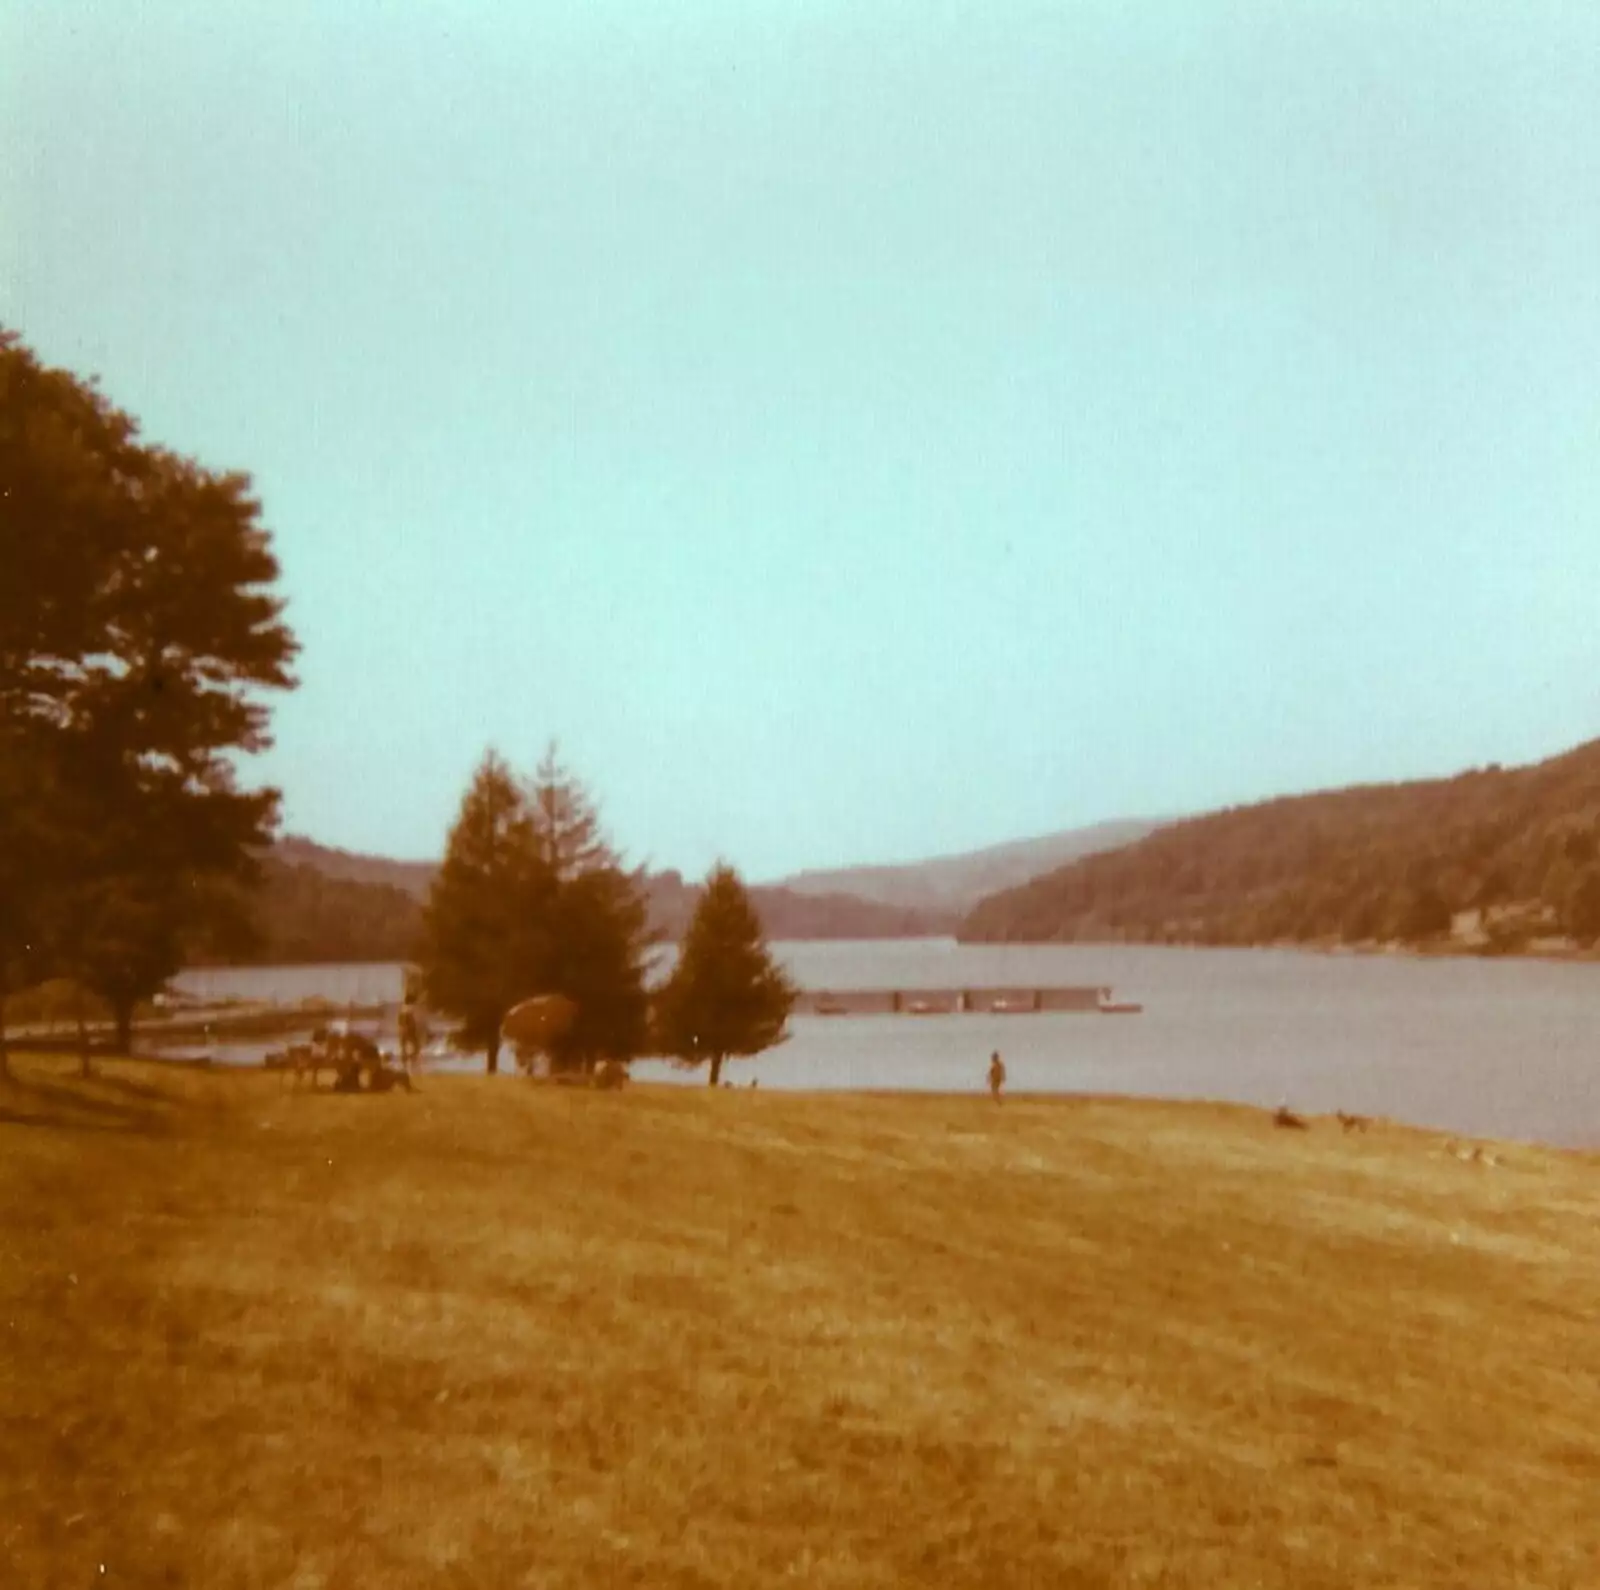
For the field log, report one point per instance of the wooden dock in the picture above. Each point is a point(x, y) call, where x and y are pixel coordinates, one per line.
point(947, 1001)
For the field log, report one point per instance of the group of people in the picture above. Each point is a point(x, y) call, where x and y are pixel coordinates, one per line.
point(357, 1063)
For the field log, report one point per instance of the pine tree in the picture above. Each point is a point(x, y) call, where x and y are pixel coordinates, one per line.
point(531, 900)
point(727, 997)
point(476, 929)
point(564, 822)
point(594, 934)
point(598, 958)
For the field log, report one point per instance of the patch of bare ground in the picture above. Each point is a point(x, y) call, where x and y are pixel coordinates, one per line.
point(492, 1334)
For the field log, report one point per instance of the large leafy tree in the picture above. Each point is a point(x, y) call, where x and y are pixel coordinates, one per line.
point(28, 831)
point(60, 451)
point(69, 467)
point(726, 997)
point(139, 626)
point(157, 866)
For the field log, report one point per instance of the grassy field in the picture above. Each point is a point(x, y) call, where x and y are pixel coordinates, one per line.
point(494, 1334)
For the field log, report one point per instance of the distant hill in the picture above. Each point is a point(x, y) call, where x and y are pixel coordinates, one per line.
point(790, 914)
point(952, 885)
point(304, 913)
point(414, 877)
point(317, 903)
point(1494, 860)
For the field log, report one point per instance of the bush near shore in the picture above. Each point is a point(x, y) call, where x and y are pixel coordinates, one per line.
point(498, 1335)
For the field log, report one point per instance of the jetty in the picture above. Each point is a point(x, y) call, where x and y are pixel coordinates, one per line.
point(955, 1001)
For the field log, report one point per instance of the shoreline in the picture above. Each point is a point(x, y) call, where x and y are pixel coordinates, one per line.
point(1404, 952)
point(1574, 954)
point(1317, 1124)
point(1320, 1124)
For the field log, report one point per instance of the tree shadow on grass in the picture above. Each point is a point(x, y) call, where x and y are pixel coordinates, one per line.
point(132, 1088)
point(62, 1122)
point(76, 1106)
point(176, 1062)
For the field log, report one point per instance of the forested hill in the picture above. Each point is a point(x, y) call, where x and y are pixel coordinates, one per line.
point(414, 877)
point(789, 914)
point(303, 914)
point(321, 904)
point(1496, 860)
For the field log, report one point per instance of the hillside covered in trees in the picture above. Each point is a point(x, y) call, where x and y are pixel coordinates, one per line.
point(1493, 860)
point(315, 903)
point(302, 914)
point(790, 914)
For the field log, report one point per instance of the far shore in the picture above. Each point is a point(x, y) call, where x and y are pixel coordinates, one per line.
point(1545, 950)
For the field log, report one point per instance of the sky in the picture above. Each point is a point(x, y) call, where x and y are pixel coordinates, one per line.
point(854, 432)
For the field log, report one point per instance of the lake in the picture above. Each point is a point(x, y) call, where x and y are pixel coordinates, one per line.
point(1507, 1048)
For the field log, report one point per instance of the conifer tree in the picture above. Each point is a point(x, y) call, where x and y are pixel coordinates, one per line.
point(594, 935)
point(726, 997)
point(563, 821)
point(532, 900)
point(475, 930)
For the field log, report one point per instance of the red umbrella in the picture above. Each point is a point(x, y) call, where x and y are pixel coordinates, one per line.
point(537, 1023)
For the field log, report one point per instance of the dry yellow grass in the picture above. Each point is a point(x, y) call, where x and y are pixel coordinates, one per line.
point(493, 1334)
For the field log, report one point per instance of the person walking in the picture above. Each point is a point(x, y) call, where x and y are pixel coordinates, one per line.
point(997, 1075)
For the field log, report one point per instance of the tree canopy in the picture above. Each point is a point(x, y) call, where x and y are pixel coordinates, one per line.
point(726, 997)
point(139, 627)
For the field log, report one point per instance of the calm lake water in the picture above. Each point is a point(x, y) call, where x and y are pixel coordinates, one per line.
point(1502, 1048)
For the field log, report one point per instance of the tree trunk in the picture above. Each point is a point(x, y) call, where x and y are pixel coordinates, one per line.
point(84, 1067)
point(5, 1053)
point(716, 1069)
point(123, 1011)
point(492, 1054)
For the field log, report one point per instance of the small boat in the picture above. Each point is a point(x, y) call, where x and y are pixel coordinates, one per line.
point(1120, 1007)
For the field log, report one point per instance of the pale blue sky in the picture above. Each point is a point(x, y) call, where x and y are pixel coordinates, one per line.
point(856, 431)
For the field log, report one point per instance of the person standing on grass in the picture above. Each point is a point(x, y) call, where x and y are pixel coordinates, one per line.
point(997, 1075)
point(410, 1034)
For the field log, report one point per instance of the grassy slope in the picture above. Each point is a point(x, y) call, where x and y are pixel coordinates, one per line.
point(500, 1335)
